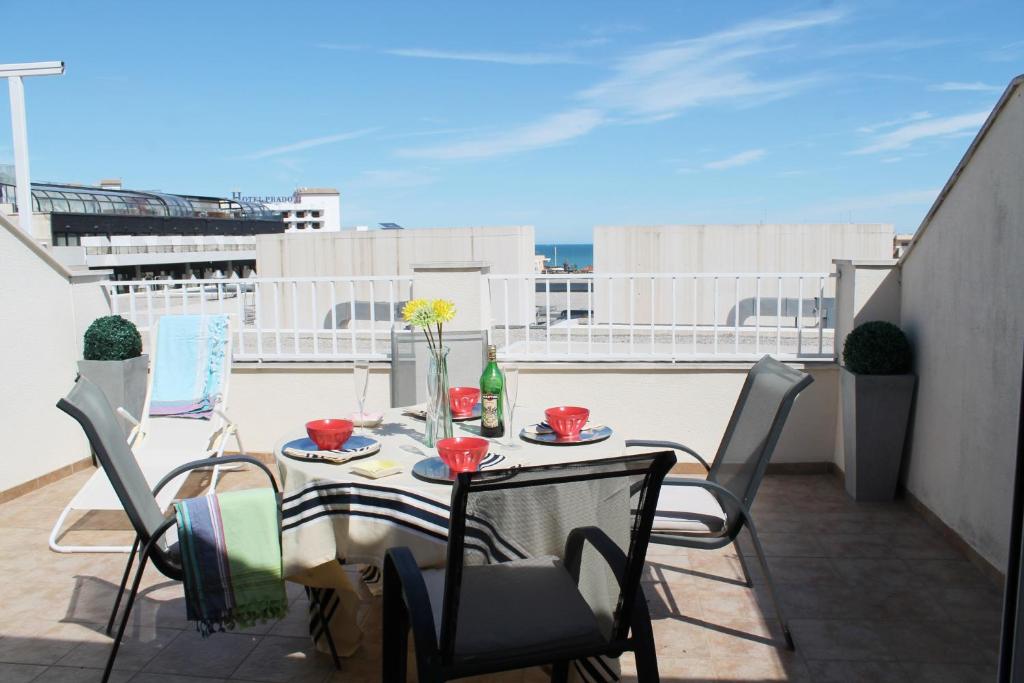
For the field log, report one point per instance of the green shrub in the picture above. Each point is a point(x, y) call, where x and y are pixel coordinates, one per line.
point(112, 338)
point(877, 348)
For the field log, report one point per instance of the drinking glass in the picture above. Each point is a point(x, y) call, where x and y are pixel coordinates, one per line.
point(511, 388)
point(361, 381)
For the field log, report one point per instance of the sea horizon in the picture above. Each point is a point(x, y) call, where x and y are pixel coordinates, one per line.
point(576, 254)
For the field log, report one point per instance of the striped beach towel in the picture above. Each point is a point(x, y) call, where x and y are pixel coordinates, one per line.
point(188, 374)
point(231, 555)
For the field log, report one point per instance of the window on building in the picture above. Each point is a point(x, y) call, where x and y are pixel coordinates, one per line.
point(315, 214)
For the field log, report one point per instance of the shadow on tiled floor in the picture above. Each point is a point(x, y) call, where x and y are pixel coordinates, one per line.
point(871, 592)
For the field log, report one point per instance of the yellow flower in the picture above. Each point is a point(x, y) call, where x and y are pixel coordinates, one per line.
point(412, 306)
point(444, 310)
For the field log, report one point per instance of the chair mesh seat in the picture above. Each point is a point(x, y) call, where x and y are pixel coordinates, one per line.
point(688, 509)
point(523, 606)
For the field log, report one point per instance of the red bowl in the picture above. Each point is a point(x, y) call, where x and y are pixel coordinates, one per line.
point(462, 453)
point(330, 434)
point(462, 400)
point(567, 421)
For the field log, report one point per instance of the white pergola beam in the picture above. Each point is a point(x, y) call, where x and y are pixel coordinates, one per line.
point(19, 128)
point(32, 69)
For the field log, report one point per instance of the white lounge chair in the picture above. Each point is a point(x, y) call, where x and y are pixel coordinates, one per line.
point(160, 444)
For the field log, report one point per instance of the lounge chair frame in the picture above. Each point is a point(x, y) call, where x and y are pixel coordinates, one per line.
point(219, 433)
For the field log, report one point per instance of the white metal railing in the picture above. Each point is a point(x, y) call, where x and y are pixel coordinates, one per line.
point(662, 316)
point(278, 319)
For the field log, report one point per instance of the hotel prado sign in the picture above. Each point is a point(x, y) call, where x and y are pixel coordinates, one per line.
point(264, 199)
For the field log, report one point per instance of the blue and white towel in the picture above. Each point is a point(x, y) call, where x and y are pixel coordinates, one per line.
point(189, 368)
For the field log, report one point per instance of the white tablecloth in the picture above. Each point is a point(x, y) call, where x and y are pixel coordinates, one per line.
point(331, 514)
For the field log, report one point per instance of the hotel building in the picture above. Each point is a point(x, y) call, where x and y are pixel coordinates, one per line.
point(309, 209)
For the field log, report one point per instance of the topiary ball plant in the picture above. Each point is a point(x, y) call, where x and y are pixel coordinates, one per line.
point(877, 348)
point(112, 338)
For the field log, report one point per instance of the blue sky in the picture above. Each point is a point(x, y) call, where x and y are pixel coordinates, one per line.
point(560, 115)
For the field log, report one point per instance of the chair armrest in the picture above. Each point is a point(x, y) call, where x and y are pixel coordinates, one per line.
point(210, 462)
point(128, 416)
point(602, 543)
point(669, 444)
point(402, 573)
point(136, 430)
point(219, 412)
point(710, 486)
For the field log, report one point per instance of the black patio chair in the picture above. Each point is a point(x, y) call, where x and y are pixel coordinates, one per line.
point(543, 567)
point(710, 513)
point(87, 404)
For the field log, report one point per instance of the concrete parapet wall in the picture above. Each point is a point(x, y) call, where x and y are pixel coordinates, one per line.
point(689, 403)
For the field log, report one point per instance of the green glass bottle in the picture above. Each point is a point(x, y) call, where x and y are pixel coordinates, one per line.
point(492, 384)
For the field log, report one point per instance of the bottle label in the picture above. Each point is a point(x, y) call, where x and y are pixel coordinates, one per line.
point(489, 411)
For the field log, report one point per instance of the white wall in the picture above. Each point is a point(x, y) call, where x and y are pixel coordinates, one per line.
point(392, 252)
point(690, 403)
point(38, 354)
point(962, 309)
point(772, 248)
point(790, 248)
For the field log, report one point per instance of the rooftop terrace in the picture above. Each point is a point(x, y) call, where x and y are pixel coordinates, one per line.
point(872, 592)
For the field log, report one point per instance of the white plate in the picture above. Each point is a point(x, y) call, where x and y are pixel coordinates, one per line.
point(356, 447)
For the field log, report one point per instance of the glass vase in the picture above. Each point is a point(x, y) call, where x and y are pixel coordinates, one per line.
point(439, 411)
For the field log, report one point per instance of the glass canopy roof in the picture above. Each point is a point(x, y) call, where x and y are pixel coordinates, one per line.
point(56, 198)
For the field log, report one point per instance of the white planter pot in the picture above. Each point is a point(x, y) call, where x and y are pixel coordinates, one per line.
point(876, 409)
point(122, 381)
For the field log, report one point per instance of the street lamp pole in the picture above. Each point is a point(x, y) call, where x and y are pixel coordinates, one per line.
point(14, 73)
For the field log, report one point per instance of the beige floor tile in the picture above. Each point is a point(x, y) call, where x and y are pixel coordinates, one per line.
point(726, 602)
point(133, 654)
point(874, 571)
point(779, 666)
point(786, 545)
point(936, 641)
point(39, 642)
point(216, 656)
point(665, 600)
point(673, 669)
point(679, 638)
point(857, 672)
point(144, 677)
point(63, 674)
point(20, 673)
point(858, 640)
point(920, 672)
point(279, 659)
point(753, 638)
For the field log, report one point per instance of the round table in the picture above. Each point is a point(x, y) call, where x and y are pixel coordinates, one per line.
point(331, 514)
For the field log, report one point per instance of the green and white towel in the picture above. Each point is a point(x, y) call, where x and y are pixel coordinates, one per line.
point(231, 554)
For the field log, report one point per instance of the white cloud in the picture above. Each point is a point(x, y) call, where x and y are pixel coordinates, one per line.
point(957, 86)
point(1006, 53)
point(552, 130)
point(664, 79)
point(905, 136)
point(310, 143)
point(651, 85)
point(916, 116)
point(516, 58)
point(736, 160)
